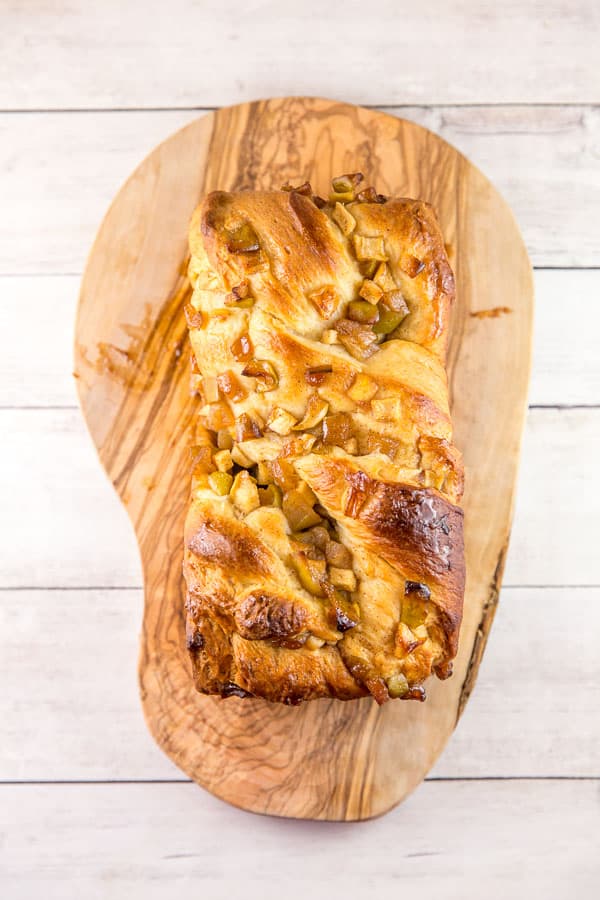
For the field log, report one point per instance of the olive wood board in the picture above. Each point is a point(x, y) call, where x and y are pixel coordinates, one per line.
point(324, 759)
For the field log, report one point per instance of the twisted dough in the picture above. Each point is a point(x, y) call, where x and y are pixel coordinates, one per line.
point(323, 543)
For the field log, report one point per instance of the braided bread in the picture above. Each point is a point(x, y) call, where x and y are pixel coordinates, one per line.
point(323, 542)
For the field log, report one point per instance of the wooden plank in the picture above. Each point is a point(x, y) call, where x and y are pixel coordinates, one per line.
point(560, 376)
point(450, 839)
point(74, 55)
point(64, 719)
point(57, 188)
point(64, 509)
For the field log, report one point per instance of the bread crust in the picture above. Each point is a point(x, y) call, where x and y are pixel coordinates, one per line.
point(324, 538)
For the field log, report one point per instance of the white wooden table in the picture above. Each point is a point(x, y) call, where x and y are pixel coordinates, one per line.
point(89, 808)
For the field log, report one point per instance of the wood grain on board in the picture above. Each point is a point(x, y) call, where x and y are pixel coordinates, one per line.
point(325, 759)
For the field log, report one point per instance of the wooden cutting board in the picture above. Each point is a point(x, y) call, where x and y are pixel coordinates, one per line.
point(324, 759)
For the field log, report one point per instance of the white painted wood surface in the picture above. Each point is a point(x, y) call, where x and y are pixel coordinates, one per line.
point(516, 87)
point(545, 161)
point(78, 683)
point(146, 54)
point(69, 529)
point(560, 375)
point(540, 839)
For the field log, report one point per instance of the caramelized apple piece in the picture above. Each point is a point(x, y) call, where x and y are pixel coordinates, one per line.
point(230, 387)
point(362, 311)
point(298, 511)
point(343, 219)
point(244, 492)
point(220, 482)
point(337, 555)
point(202, 458)
point(223, 461)
point(217, 416)
point(342, 578)
point(337, 428)
point(397, 685)
point(316, 410)
point(313, 643)
point(383, 278)
point(310, 572)
point(243, 240)
point(325, 300)
point(242, 348)
point(194, 317)
point(270, 495)
point(281, 421)
point(371, 248)
point(363, 388)
point(283, 474)
point(224, 439)
point(358, 339)
point(370, 291)
point(246, 428)
point(265, 374)
point(388, 321)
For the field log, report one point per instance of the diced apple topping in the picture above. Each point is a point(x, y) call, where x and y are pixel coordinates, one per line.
point(220, 482)
point(242, 348)
point(311, 573)
point(243, 240)
point(244, 492)
point(358, 339)
point(330, 336)
point(362, 311)
point(388, 409)
point(342, 578)
point(406, 640)
point(338, 555)
point(217, 416)
point(411, 265)
point(202, 458)
point(337, 429)
point(280, 421)
point(265, 374)
point(224, 439)
point(270, 495)
point(363, 388)
point(383, 278)
point(299, 511)
point(246, 428)
point(316, 410)
point(397, 685)
point(223, 461)
point(239, 457)
point(325, 300)
point(370, 291)
point(230, 387)
point(343, 219)
point(369, 248)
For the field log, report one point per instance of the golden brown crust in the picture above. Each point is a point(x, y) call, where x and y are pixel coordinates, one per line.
point(323, 543)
